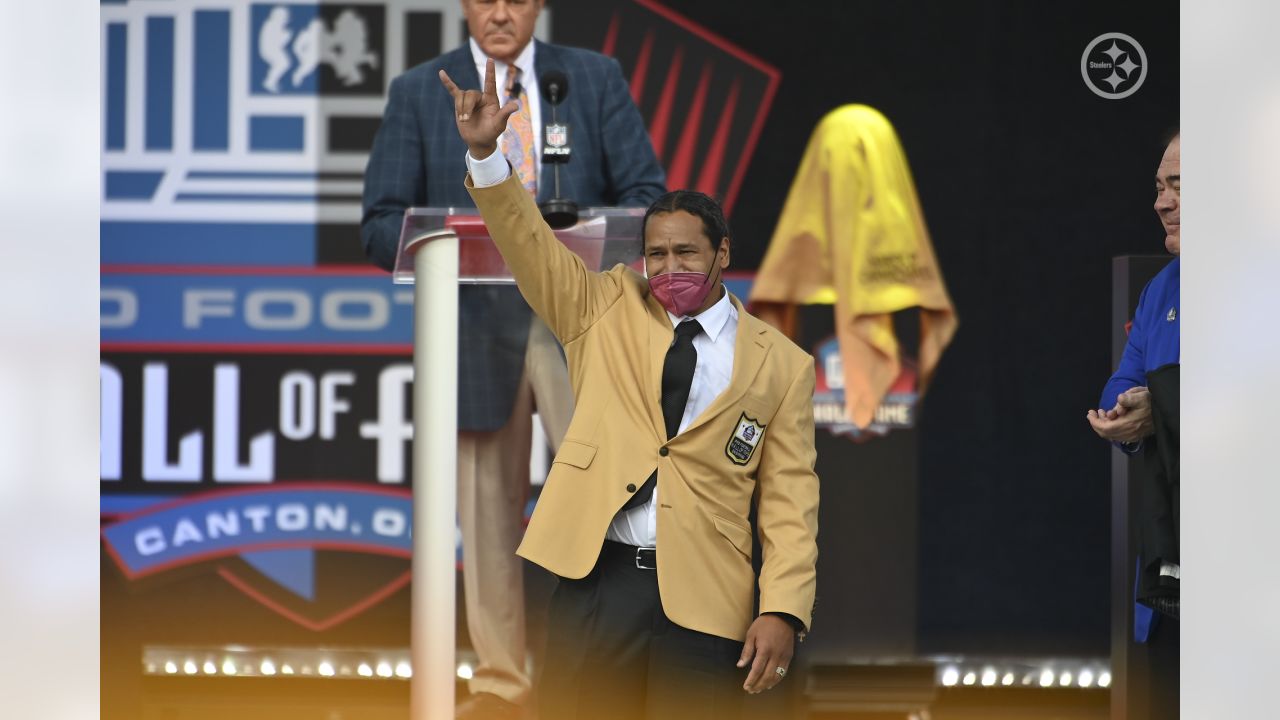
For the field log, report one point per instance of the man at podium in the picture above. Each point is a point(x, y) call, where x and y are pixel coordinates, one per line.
point(508, 361)
point(690, 413)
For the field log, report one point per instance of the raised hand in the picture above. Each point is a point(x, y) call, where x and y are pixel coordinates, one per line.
point(481, 120)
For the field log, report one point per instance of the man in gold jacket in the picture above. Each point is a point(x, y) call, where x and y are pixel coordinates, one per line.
point(688, 412)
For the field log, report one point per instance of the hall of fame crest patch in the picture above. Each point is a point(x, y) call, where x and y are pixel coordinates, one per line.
point(742, 444)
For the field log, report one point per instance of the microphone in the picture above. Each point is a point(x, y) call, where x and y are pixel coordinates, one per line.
point(554, 85)
point(558, 212)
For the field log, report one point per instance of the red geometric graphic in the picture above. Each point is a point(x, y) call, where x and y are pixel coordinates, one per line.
point(711, 99)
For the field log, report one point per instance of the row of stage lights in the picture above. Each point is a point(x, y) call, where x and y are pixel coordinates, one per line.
point(989, 676)
point(393, 664)
point(268, 668)
point(306, 663)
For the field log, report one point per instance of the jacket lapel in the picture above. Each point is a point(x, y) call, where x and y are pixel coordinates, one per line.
point(750, 349)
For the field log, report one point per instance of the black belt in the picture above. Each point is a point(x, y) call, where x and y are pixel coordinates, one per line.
point(644, 558)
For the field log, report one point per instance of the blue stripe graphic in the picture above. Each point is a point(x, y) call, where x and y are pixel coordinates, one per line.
point(739, 287)
point(131, 184)
point(351, 310)
point(250, 175)
point(276, 132)
point(117, 44)
point(212, 79)
point(159, 83)
point(294, 570)
point(190, 243)
point(120, 504)
point(243, 522)
point(246, 197)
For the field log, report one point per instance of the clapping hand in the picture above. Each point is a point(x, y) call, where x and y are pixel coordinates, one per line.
point(1129, 421)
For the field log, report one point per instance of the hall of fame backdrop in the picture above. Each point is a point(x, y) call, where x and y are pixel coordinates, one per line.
point(255, 372)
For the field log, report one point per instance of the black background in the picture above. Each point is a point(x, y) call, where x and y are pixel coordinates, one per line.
point(1030, 183)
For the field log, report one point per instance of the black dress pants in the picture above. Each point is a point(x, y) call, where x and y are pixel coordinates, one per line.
point(612, 654)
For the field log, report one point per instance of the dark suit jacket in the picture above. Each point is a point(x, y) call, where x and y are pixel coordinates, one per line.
point(418, 159)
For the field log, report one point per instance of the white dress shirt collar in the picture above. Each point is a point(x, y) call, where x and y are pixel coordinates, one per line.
point(713, 318)
point(524, 61)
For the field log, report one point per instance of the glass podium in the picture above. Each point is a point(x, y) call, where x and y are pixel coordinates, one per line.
point(603, 238)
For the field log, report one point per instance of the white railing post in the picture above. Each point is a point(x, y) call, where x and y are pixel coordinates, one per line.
point(435, 495)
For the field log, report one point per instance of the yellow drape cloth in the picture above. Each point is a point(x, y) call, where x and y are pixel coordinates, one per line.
point(852, 235)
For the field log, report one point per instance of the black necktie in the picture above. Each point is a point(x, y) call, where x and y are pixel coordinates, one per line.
point(677, 378)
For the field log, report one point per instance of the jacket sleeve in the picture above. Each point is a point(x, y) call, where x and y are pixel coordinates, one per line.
point(394, 178)
point(1132, 370)
point(554, 281)
point(1131, 373)
point(787, 507)
point(630, 162)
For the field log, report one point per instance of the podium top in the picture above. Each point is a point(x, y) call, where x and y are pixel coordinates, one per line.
point(603, 237)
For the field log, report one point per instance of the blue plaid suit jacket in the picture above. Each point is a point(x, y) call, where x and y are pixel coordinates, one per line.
point(418, 159)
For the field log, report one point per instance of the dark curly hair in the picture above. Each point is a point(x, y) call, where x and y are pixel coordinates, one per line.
point(697, 204)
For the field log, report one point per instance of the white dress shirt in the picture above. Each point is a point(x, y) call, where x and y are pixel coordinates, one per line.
point(715, 344)
point(639, 525)
point(528, 80)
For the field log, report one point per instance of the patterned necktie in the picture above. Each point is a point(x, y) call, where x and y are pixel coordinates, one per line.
point(517, 139)
point(677, 380)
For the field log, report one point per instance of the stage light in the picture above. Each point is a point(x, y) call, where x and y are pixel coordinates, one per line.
point(464, 671)
point(1085, 678)
point(1046, 678)
point(1007, 679)
point(1028, 679)
point(171, 667)
point(384, 669)
point(228, 667)
point(988, 677)
point(1064, 679)
point(950, 677)
point(189, 667)
point(286, 669)
point(325, 669)
point(209, 668)
point(364, 670)
point(970, 678)
point(404, 670)
point(268, 667)
point(1104, 679)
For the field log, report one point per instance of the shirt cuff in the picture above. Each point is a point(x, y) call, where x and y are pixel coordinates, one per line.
point(489, 171)
point(791, 620)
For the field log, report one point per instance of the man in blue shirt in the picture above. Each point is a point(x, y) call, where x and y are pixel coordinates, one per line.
point(1143, 396)
point(1153, 340)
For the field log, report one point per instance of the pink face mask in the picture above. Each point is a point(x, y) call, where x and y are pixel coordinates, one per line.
point(681, 292)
